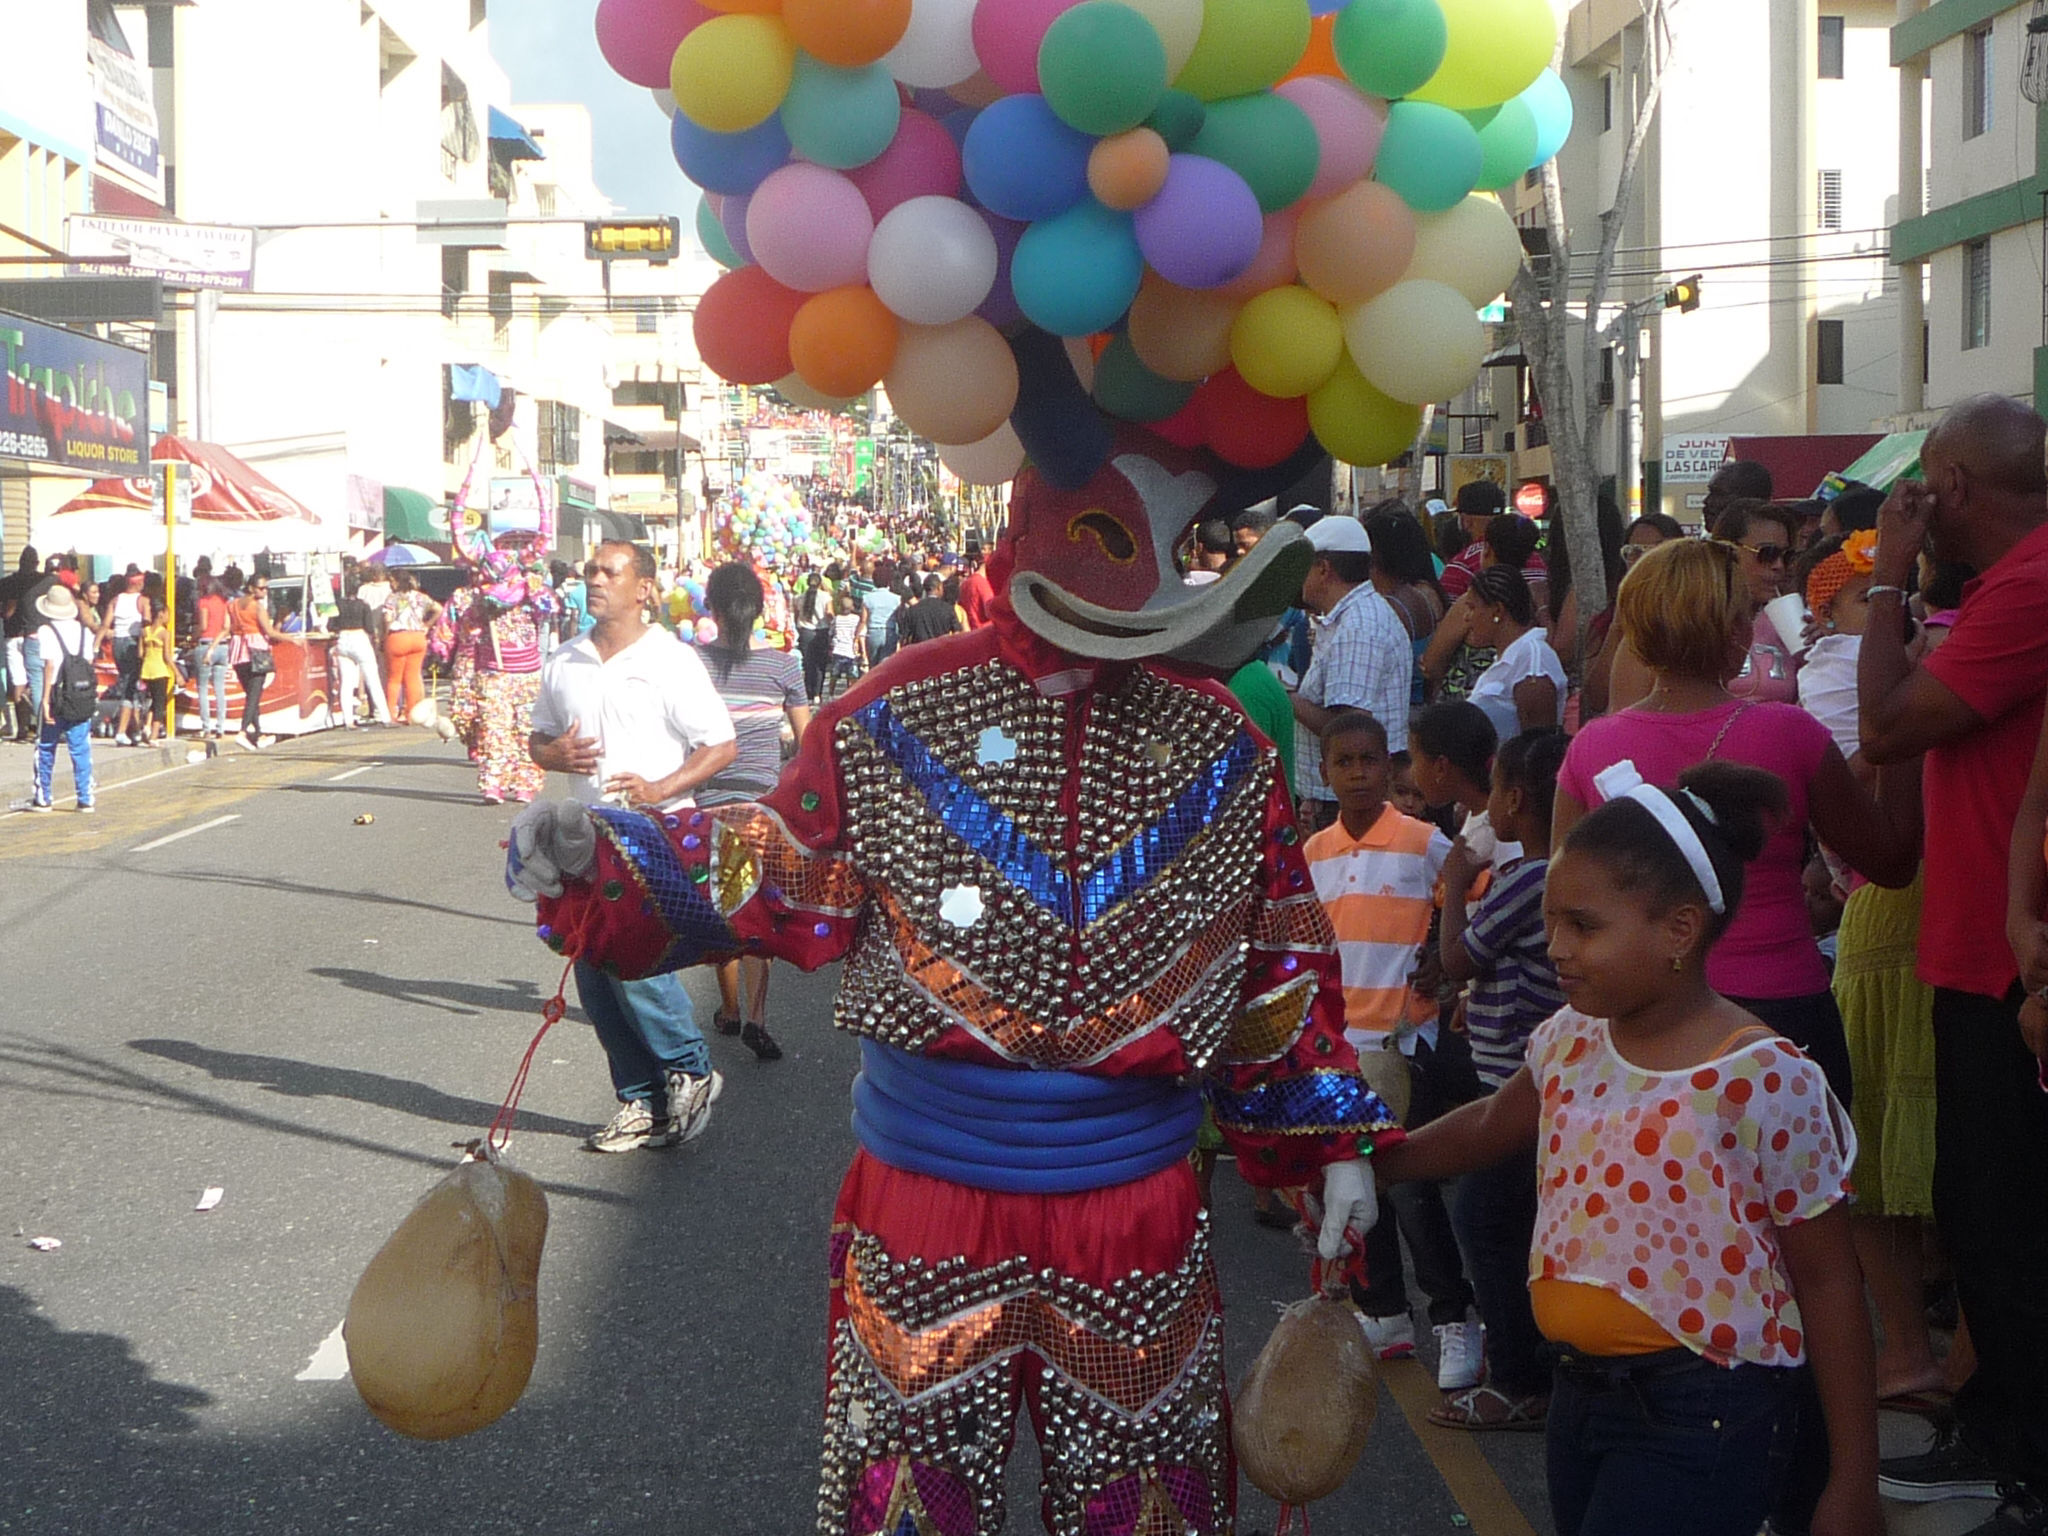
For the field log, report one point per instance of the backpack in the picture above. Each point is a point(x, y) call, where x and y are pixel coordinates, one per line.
point(75, 694)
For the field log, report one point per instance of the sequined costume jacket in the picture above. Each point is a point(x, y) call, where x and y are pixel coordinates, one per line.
point(1029, 862)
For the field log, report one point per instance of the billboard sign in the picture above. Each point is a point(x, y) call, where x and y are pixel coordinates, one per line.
point(125, 138)
point(521, 506)
point(1693, 460)
point(72, 400)
point(183, 255)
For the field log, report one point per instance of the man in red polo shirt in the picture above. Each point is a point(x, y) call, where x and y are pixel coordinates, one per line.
point(1974, 709)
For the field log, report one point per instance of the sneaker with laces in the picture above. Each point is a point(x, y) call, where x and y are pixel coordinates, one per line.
point(689, 1102)
point(635, 1125)
point(1460, 1354)
point(1389, 1338)
point(86, 807)
point(39, 805)
point(1948, 1469)
point(2019, 1514)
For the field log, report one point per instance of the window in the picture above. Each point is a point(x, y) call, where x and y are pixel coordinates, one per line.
point(454, 278)
point(561, 436)
point(1976, 295)
point(1977, 83)
point(1831, 47)
point(162, 38)
point(1830, 352)
point(1607, 101)
point(1829, 205)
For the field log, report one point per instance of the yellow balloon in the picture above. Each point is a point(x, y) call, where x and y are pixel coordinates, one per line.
point(1245, 46)
point(1181, 333)
point(1475, 247)
point(1357, 423)
point(732, 72)
point(1179, 25)
point(1287, 342)
point(1496, 50)
point(1419, 341)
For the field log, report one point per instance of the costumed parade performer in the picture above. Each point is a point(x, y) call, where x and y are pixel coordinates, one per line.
point(1208, 243)
point(491, 633)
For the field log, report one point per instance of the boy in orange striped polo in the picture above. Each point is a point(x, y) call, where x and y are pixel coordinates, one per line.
point(1376, 873)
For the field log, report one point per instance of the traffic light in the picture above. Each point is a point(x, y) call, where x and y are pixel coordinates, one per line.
point(1684, 295)
point(610, 240)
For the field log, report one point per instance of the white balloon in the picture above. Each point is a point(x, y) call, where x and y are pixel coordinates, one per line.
point(995, 460)
point(1179, 25)
point(1474, 247)
point(932, 260)
point(938, 48)
point(1418, 342)
point(665, 99)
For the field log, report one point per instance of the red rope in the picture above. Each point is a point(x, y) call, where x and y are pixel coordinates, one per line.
point(551, 1011)
point(1287, 1514)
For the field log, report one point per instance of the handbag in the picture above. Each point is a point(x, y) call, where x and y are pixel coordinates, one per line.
point(260, 663)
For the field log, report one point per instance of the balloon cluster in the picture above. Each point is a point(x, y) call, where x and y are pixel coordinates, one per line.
point(1257, 218)
point(766, 522)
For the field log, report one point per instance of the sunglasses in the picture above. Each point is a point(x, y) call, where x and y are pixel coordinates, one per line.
point(1769, 554)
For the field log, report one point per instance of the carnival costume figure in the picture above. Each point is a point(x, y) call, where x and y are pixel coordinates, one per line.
point(1062, 873)
point(490, 632)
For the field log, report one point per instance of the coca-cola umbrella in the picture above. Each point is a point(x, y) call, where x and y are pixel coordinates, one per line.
point(235, 511)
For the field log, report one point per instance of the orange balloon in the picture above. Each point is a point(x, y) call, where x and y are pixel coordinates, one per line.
point(847, 33)
point(1181, 333)
point(1126, 170)
point(1356, 245)
point(843, 340)
point(746, 7)
point(1321, 55)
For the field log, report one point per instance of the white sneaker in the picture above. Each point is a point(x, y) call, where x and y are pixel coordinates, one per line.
point(1389, 1338)
point(1461, 1355)
point(690, 1100)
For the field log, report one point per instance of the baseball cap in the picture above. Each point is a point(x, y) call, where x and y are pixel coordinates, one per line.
point(1339, 536)
point(1436, 506)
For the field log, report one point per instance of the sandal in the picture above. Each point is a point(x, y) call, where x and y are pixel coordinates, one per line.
point(725, 1023)
point(755, 1037)
point(1489, 1408)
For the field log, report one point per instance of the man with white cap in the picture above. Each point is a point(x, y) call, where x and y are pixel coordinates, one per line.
point(1362, 658)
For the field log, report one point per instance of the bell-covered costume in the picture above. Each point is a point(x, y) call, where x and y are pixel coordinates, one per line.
point(1064, 878)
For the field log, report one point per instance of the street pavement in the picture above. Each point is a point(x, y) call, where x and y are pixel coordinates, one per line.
point(223, 980)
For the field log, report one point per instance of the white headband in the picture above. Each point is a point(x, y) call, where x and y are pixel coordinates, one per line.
point(1622, 782)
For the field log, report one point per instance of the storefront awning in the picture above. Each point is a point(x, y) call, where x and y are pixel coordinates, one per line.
point(1799, 465)
point(618, 525)
point(1893, 459)
point(413, 517)
point(512, 138)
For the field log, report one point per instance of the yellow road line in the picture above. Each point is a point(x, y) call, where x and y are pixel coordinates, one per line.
point(1481, 1496)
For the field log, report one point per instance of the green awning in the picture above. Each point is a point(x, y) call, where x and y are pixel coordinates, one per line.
point(1894, 458)
point(414, 517)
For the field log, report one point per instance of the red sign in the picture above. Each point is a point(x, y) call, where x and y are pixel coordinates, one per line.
point(1530, 500)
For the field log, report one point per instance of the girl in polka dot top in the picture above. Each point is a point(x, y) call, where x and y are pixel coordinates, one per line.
point(1692, 1258)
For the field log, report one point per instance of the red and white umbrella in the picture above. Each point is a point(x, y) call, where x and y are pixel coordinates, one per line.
point(235, 510)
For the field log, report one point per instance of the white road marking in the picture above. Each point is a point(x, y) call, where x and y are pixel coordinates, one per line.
point(343, 778)
point(329, 1362)
point(204, 826)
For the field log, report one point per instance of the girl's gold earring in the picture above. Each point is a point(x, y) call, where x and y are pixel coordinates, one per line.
point(1678, 962)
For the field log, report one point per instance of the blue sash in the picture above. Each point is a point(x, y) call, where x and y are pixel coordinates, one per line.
point(1018, 1132)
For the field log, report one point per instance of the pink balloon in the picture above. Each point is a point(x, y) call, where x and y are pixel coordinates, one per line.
point(809, 228)
point(1348, 126)
point(638, 38)
point(1006, 38)
point(1274, 266)
point(921, 161)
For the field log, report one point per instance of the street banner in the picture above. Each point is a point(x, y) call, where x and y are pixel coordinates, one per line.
point(183, 255)
point(72, 400)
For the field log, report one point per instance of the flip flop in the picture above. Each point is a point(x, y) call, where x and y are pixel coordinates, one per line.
point(1463, 1411)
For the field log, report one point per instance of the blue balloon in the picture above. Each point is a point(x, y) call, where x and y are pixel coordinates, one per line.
point(1023, 163)
point(840, 118)
point(731, 164)
point(1549, 101)
point(1076, 274)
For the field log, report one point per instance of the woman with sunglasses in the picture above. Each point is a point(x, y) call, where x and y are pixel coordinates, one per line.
point(251, 635)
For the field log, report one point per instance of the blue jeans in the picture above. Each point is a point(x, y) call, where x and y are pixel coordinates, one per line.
point(77, 740)
point(1666, 1443)
point(32, 659)
point(210, 668)
point(647, 1029)
point(1494, 1215)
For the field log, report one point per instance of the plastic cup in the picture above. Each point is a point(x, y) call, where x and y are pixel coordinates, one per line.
point(1788, 617)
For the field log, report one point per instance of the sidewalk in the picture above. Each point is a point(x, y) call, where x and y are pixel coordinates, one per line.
point(111, 765)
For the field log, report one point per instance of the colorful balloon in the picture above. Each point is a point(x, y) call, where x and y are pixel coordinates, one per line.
point(731, 73)
point(847, 33)
point(1102, 67)
point(1474, 247)
point(921, 161)
point(1286, 342)
point(809, 229)
point(1000, 307)
point(733, 163)
point(953, 383)
point(1179, 26)
point(1178, 118)
point(1246, 428)
point(1127, 389)
point(1007, 36)
point(1245, 46)
point(638, 38)
point(843, 341)
point(1267, 140)
point(996, 460)
point(1023, 163)
point(1203, 228)
point(1358, 424)
point(1507, 144)
point(937, 47)
point(711, 235)
point(933, 260)
point(1495, 50)
point(1126, 170)
point(1275, 264)
point(1549, 101)
point(1356, 245)
point(1076, 274)
point(742, 327)
point(1390, 48)
point(1348, 127)
point(1181, 334)
point(1418, 342)
point(1430, 155)
point(840, 118)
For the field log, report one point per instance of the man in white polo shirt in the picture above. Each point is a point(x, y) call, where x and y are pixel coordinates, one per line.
point(629, 713)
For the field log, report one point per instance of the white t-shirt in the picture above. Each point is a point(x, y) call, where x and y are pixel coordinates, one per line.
point(1526, 658)
point(75, 638)
point(649, 707)
point(375, 593)
point(1827, 689)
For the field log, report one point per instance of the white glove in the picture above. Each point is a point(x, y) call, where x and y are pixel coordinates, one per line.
point(1351, 1201)
point(552, 841)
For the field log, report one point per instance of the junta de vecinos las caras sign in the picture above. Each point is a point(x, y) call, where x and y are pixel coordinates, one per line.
point(72, 400)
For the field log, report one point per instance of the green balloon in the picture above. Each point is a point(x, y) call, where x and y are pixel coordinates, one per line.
point(1507, 144)
point(840, 118)
point(1430, 156)
point(1177, 119)
point(1101, 67)
point(1267, 140)
point(1246, 45)
point(711, 235)
point(1130, 391)
point(1390, 48)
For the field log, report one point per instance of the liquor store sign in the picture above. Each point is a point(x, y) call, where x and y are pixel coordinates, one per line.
point(72, 401)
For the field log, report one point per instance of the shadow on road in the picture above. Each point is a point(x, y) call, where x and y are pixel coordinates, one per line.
point(357, 788)
point(309, 1080)
point(283, 887)
point(446, 996)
